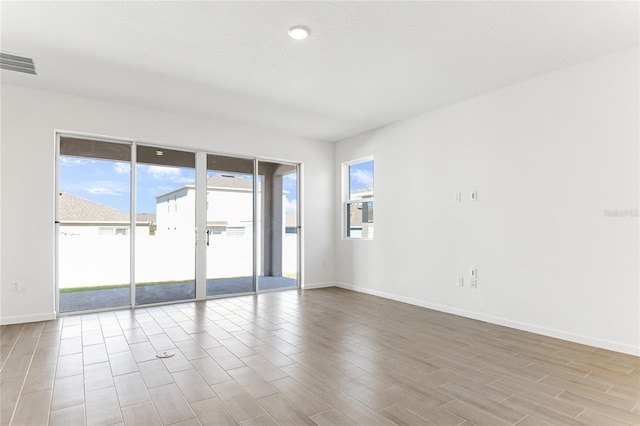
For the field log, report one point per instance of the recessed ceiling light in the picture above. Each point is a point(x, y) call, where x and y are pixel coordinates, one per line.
point(299, 32)
point(159, 153)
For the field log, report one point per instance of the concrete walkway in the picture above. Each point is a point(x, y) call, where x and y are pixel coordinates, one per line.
point(119, 297)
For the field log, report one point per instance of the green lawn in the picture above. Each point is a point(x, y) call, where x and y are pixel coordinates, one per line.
point(111, 286)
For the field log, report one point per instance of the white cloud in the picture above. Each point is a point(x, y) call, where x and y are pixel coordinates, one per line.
point(104, 187)
point(163, 172)
point(158, 190)
point(122, 168)
point(98, 190)
point(289, 205)
point(171, 174)
point(70, 161)
point(363, 177)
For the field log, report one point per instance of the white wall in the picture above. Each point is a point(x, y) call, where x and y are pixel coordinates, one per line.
point(29, 118)
point(547, 156)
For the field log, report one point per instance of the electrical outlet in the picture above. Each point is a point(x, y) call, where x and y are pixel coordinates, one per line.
point(16, 287)
point(473, 273)
point(460, 281)
point(458, 196)
point(474, 283)
point(474, 196)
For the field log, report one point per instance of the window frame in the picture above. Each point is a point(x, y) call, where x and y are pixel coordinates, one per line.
point(348, 202)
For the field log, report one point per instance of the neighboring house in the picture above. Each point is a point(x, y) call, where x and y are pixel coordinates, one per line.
point(291, 222)
point(230, 221)
point(229, 207)
point(79, 216)
point(229, 211)
point(360, 216)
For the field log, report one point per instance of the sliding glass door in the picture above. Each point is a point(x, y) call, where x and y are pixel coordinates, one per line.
point(277, 225)
point(140, 224)
point(230, 225)
point(165, 267)
point(93, 224)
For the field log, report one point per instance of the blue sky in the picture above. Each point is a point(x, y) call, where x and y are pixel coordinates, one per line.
point(107, 182)
point(360, 175)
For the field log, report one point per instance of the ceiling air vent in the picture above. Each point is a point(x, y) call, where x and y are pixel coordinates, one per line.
point(11, 62)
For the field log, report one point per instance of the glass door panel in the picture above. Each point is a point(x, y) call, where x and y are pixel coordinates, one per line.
point(278, 226)
point(94, 225)
point(230, 186)
point(165, 238)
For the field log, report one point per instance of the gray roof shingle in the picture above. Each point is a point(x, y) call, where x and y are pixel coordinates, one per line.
point(73, 208)
point(225, 181)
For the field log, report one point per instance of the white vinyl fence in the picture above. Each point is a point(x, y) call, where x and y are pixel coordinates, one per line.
point(87, 261)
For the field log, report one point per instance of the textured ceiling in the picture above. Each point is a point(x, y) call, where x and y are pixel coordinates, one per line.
point(366, 64)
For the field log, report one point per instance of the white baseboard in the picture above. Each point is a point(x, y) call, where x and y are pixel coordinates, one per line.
point(20, 319)
point(550, 332)
point(318, 285)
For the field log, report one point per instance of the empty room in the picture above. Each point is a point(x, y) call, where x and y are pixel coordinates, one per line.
point(320, 212)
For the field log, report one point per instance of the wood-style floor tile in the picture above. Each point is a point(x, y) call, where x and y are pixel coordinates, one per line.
point(264, 368)
point(330, 418)
point(68, 416)
point(171, 405)
point(192, 385)
point(131, 389)
point(45, 354)
point(70, 346)
point(609, 410)
point(33, 408)
point(473, 414)
point(326, 357)
point(252, 382)
point(355, 410)
point(540, 411)
point(401, 416)
point(211, 412)
point(39, 378)
point(97, 376)
point(141, 414)
point(210, 371)
point(225, 358)
point(67, 392)
point(102, 407)
point(9, 395)
point(303, 399)
point(241, 405)
point(423, 408)
point(155, 373)
point(69, 365)
point(283, 411)
point(94, 354)
point(479, 401)
point(262, 420)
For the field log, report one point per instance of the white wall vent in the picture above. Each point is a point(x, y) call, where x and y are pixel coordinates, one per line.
point(12, 62)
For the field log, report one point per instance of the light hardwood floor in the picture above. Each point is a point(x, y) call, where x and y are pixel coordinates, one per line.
point(326, 357)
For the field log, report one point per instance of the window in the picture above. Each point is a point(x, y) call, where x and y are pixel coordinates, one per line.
point(358, 205)
point(109, 230)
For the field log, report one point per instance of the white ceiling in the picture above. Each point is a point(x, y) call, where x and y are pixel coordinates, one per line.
point(366, 64)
